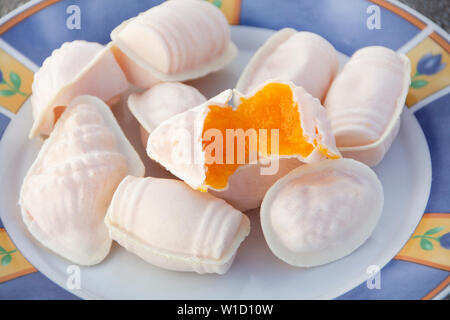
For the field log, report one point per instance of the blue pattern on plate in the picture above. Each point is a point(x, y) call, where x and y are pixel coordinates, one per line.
point(437, 133)
point(400, 280)
point(34, 286)
point(4, 121)
point(37, 36)
point(331, 19)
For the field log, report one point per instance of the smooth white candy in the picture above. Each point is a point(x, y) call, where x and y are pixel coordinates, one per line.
point(67, 190)
point(160, 102)
point(172, 226)
point(365, 102)
point(305, 58)
point(321, 212)
point(76, 68)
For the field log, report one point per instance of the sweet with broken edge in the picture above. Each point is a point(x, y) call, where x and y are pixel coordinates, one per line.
point(298, 119)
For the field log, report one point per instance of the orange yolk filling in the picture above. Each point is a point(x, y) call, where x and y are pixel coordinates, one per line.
point(57, 112)
point(273, 107)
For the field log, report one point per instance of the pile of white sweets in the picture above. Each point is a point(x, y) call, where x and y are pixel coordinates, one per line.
point(87, 185)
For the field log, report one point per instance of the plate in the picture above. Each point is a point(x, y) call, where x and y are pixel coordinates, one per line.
point(406, 173)
point(256, 274)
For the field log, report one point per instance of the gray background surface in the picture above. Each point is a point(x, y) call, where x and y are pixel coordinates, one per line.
point(436, 10)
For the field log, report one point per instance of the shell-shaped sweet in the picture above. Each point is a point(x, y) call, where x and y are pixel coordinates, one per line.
point(172, 226)
point(180, 142)
point(321, 212)
point(67, 190)
point(175, 41)
point(365, 101)
point(160, 102)
point(305, 58)
point(76, 68)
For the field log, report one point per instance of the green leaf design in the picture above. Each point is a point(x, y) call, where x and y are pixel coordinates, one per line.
point(433, 231)
point(426, 244)
point(217, 3)
point(6, 93)
point(2, 249)
point(418, 84)
point(15, 79)
point(6, 260)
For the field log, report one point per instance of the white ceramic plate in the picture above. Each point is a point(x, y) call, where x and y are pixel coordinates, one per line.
point(256, 273)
